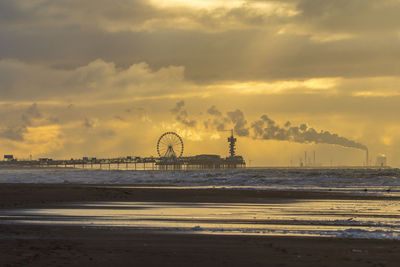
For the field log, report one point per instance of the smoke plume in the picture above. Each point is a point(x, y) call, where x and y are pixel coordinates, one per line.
point(218, 121)
point(237, 118)
point(182, 115)
point(214, 111)
point(267, 129)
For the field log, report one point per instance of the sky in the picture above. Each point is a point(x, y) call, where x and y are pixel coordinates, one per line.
point(106, 78)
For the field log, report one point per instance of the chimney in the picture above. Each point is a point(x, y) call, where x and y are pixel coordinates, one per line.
point(305, 158)
point(367, 158)
point(314, 157)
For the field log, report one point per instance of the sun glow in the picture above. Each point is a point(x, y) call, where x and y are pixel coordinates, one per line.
point(198, 3)
point(317, 84)
point(280, 9)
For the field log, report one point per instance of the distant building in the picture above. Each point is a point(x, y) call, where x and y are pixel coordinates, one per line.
point(9, 157)
point(381, 160)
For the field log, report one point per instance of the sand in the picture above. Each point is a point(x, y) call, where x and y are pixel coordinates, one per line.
point(30, 245)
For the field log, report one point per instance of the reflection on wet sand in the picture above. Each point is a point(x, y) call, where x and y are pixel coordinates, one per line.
point(327, 218)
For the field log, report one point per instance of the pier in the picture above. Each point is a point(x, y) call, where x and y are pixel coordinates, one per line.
point(169, 148)
point(131, 163)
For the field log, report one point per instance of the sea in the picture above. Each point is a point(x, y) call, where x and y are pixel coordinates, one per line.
point(365, 181)
point(366, 218)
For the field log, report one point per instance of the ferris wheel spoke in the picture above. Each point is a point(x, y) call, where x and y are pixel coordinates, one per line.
point(177, 143)
point(163, 142)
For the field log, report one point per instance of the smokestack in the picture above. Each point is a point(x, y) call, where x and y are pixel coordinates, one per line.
point(314, 157)
point(305, 158)
point(367, 157)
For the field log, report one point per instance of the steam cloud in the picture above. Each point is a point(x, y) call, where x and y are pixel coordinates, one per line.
point(266, 128)
point(233, 117)
point(182, 115)
point(88, 123)
point(214, 111)
point(218, 121)
point(237, 118)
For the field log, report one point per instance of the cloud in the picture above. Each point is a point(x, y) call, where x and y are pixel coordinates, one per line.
point(88, 123)
point(237, 118)
point(140, 15)
point(15, 128)
point(178, 107)
point(359, 16)
point(214, 111)
point(221, 41)
point(98, 79)
point(182, 115)
point(332, 63)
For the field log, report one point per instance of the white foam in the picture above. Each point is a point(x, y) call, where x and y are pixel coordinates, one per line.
point(368, 181)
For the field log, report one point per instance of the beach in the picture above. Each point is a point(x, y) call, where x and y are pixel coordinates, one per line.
point(77, 245)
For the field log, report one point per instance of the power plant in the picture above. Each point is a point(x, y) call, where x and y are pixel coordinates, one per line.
point(381, 160)
point(311, 162)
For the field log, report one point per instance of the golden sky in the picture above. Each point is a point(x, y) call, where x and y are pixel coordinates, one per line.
point(107, 78)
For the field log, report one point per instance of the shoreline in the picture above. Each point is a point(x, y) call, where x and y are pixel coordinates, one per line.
point(23, 195)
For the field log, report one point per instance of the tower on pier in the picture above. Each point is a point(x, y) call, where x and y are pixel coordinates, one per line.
point(232, 144)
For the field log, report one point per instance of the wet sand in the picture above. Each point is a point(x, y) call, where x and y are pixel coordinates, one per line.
point(35, 245)
point(37, 195)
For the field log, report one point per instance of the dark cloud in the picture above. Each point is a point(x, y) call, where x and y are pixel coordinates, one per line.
point(88, 123)
point(355, 16)
point(13, 132)
point(240, 124)
point(118, 117)
point(53, 120)
point(178, 107)
point(21, 81)
point(254, 52)
point(33, 111)
point(11, 12)
point(214, 111)
point(220, 123)
point(15, 128)
point(182, 115)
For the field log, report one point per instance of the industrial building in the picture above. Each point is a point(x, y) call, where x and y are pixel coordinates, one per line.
point(381, 160)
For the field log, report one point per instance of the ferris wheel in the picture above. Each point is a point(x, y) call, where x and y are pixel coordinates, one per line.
point(170, 145)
